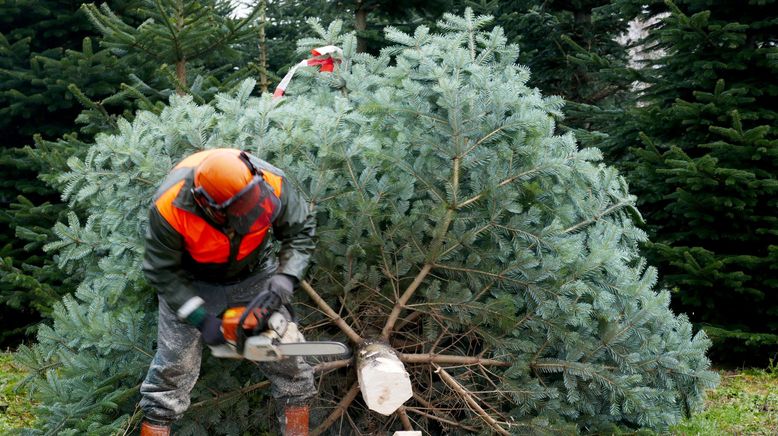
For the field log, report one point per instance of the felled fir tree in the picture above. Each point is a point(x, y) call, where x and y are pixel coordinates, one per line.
point(705, 160)
point(552, 33)
point(575, 50)
point(497, 259)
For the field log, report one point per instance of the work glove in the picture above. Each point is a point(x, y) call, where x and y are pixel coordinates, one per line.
point(278, 292)
point(283, 286)
point(211, 328)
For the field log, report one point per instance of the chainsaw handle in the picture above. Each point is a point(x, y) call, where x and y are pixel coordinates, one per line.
point(261, 318)
point(260, 315)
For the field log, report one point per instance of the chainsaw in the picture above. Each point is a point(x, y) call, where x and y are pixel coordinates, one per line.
point(281, 339)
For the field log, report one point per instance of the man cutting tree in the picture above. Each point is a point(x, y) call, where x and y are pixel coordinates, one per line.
point(208, 249)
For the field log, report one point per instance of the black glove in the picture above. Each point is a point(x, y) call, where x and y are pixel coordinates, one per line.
point(283, 286)
point(211, 328)
point(263, 306)
point(279, 291)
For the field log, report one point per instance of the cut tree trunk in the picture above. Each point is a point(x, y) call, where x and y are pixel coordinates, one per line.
point(383, 380)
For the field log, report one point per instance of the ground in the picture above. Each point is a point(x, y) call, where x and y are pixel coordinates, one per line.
point(14, 404)
point(746, 403)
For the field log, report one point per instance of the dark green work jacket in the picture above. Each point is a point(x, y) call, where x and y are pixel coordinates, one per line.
point(183, 246)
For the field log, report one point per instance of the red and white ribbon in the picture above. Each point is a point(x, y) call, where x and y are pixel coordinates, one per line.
point(322, 56)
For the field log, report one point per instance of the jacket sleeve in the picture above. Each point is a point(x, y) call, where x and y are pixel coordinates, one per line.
point(162, 266)
point(295, 229)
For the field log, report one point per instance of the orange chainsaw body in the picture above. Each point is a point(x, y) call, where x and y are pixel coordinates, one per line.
point(230, 321)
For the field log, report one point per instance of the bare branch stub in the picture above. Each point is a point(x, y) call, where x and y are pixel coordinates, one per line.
point(451, 359)
point(404, 418)
point(437, 414)
point(403, 300)
point(352, 335)
point(332, 365)
point(469, 398)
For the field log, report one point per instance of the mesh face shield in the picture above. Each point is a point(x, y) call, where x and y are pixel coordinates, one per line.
point(240, 211)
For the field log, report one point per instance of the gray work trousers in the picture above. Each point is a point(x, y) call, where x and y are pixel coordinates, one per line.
point(176, 365)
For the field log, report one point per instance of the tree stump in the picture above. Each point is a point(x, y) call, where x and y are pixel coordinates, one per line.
point(383, 380)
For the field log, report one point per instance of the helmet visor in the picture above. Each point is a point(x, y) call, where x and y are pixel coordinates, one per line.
point(243, 209)
point(239, 212)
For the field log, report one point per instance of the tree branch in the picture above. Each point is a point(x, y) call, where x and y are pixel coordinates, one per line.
point(596, 217)
point(234, 31)
point(335, 364)
point(133, 421)
point(407, 320)
point(470, 400)
point(376, 233)
point(438, 414)
point(222, 397)
point(558, 365)
point(339, 410)
point(458, 243)
point(403, 300)
point(434, 247)
point(480, 141)
point(352, 335)
point(404, 418)
point(499, 276)
point(442, 420)
point(499, 185)
point(447, 358)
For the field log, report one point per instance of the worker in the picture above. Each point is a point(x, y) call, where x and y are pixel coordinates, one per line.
point(208, 249)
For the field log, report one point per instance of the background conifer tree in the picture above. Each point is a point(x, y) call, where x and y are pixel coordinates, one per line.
point(285, 23)
point(45, 48)
point(700, 152)
point(371, 16)
point(498, 258)
point(548, 33)
point(573, 49)
point(192, 43)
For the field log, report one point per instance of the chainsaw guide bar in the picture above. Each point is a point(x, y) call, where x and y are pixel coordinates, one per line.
point(260, 349)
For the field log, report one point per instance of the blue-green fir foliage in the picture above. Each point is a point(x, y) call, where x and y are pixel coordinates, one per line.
point(435, 173)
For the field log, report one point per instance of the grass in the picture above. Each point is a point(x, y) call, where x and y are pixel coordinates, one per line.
point(746, 403)
point(15, 408)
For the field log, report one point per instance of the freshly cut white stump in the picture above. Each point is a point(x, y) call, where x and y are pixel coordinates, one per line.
point(383, 380)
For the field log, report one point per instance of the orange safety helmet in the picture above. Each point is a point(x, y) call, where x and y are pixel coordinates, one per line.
point(227, 187)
